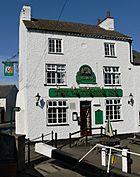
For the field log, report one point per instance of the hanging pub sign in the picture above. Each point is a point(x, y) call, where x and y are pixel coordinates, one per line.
point(8, 68)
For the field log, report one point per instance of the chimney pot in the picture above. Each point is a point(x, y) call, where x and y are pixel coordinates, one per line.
point(108, 14)
point(98, 22)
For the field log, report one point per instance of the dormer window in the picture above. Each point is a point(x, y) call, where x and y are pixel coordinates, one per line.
point(55, 45)
point(109, 49)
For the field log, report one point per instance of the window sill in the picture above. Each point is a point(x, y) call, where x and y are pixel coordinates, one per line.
point(57, 85)
point(108, 56)
point(118, 120)
point(112, 85)
point(49, 125)
point(56, 53)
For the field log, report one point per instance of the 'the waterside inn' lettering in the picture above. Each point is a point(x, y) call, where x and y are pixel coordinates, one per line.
point(85, 92)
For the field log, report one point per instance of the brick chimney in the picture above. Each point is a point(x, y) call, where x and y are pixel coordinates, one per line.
point(98, 22)
point(108, 14)
point(25, 13)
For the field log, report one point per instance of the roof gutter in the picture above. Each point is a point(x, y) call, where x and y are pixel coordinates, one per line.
point(97, 36)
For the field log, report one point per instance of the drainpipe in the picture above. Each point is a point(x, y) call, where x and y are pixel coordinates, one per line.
point(130, 47)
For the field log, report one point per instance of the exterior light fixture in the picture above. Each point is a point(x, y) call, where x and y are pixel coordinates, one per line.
point(37, 99)
point(131, 99)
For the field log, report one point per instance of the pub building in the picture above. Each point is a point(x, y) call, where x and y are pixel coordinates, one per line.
point(75, 76)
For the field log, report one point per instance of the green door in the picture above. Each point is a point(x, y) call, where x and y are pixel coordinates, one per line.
point(98, 117)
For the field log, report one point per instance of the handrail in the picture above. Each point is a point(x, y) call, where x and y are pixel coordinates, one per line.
point(112, 148)
point(93, 128)
point(28, 142)
point(41, 136)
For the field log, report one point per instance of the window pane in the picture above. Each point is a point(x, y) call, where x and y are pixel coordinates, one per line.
point(111, 75)
point(55, 74)
point(113, 109)
point(112, 51)
point(51, 45)
point(50, 103)
point(60, 103)
point(55, 46)
point(60, 78)
point(109, 49)
point(106, 49)
point(57, 112)
point(58, 46)
point(54, 103)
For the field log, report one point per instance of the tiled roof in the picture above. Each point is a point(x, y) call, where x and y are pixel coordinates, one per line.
point(73, 28)
point(6, 89)
point(136, 57)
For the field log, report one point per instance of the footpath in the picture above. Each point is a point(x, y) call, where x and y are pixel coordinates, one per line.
point(90, 165)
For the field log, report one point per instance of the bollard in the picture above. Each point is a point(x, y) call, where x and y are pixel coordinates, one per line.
point(56, 140)
point(115, 131)
point(70, 140)
point(52, 139)
point(42, 137)
point(86, 139)
point(129, 161)
point(103, 157)
point(124, 160)
point(101, 131)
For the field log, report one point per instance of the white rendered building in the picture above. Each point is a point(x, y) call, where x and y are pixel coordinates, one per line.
point(83, 74)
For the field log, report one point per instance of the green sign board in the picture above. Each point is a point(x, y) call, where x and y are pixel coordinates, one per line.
point(85, 92)
point(98, 117)
point(8, 69)
point(85, 75)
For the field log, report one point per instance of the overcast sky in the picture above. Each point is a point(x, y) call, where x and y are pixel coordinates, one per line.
point(125, 12)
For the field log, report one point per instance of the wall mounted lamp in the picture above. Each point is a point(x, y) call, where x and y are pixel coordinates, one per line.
point(37, 99)
point(131, 99)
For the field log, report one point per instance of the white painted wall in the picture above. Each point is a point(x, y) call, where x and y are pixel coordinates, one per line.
point(33, 55)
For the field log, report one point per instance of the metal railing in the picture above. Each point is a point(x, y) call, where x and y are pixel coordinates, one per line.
point(101, 128)
point(30, 144)
point(125, 156)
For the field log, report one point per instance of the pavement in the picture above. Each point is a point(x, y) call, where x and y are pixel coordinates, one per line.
point(94, 157)
point(53, 167)
point(56, 168)
point(48, 168)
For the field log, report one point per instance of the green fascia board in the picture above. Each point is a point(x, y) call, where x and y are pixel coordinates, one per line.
point(85, 92)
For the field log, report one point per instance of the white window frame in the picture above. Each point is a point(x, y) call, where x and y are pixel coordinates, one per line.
point(114, 109)
point(111, 76)
point(110, 49)
point(55, 70)
point(53, 48)
point(56, 106)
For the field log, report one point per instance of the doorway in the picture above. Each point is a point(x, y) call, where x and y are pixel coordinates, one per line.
point(85, 116)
